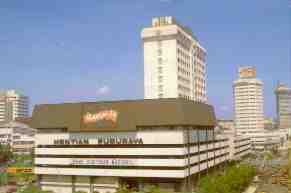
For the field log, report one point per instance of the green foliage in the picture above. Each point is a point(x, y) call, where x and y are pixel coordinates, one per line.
point(25, 160)
point(153, 189)
point(268, 156)
point(125, 189)
point(79, 192)
point(235, 180)
point(5, 153)
point(147, 189)
point(3, 179)
point(22, 161)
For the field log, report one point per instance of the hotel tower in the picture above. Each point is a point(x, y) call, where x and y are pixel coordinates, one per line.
point(174, 62)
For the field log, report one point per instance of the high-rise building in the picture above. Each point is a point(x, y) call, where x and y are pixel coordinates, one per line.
point(174, 62)
point(13, 105)
point(283, 100)
point(248, 102)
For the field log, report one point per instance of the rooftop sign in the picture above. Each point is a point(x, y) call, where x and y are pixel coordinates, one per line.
point(247, 72)
point(106, 115)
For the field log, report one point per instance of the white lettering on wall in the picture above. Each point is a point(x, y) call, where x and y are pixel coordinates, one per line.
point(103, 162)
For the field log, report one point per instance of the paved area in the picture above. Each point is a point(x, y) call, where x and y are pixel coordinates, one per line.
point(271, 188)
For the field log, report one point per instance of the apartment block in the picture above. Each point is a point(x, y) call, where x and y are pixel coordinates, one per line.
point(12, 105)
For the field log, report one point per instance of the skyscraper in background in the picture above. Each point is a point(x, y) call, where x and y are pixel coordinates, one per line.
point(12, 105)
point(283, 102)
point(174, 62)
point(248, 102)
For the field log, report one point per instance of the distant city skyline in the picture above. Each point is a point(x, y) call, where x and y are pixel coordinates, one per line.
point(64, 51)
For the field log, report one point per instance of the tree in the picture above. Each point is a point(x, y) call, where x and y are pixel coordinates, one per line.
point(5, 153)
point(235, 179)
point(153, 189)
point(124, 189)
point(80, 192)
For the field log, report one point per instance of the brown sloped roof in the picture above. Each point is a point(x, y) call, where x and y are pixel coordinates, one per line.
point(24, 120)
point(131, 114)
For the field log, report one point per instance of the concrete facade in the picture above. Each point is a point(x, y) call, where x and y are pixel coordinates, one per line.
point(174, 62)
point(283, 102)
point(248, 102)
point(162, 156)
point(18, 136)
point(13, 105)
point(239, 145)
point(268, 139)
point(91, 149)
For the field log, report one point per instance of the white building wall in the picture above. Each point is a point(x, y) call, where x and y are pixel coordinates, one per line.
point(171, 69)
point(149, 137)
point(239, 145)
point(48, 166)
point(19, 136)
point(13, 105)
point(248, 101)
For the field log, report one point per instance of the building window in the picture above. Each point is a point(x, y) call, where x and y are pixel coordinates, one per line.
point(194, 137)
point(202, 135)
point(16, 137)
point(210, 135)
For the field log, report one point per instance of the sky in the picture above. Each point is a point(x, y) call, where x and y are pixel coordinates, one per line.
point(69, 51)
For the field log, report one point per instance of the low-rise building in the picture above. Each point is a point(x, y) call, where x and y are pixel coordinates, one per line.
point(267, 140)
point(19, 136)
point(101, 146)
point(239, 145)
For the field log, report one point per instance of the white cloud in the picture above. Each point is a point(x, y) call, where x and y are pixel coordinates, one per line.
point(103, 90)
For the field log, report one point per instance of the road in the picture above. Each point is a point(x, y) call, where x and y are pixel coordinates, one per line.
point(272, 188)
